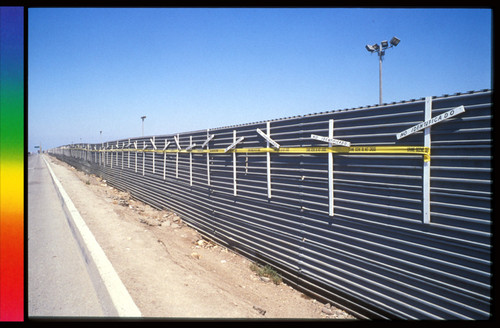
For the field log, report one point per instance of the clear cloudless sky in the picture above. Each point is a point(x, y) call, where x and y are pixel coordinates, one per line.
point(188, 69)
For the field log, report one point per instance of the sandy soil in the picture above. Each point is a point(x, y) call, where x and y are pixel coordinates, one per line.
point(170, 270)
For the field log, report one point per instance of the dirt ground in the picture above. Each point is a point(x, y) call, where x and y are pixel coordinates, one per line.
point(170, 270)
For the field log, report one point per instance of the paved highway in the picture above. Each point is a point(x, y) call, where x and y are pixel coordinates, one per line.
point(58, 280)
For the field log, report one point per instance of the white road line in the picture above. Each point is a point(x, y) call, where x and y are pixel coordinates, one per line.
point(120, 297)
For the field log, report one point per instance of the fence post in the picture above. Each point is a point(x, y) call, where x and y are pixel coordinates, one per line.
point(165, 159)
point(208, 158)
point(123, 155)
point(154, 153)
point(135, 146)
point(234, 166)
point(268, 156)
point(330, 170)
point(190, 161)
point(426, 175)
point(143, 156)
point(177, 156)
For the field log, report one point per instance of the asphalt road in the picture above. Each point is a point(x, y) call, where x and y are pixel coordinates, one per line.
point(58, 281)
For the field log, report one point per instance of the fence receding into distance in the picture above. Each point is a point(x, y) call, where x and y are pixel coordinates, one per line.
point(384, 211)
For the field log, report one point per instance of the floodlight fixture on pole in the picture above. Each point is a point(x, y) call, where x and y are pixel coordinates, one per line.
point(143, 117)
point(395, 41)
point(380, 50)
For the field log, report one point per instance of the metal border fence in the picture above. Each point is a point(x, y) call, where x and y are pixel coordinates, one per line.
point(384, 211)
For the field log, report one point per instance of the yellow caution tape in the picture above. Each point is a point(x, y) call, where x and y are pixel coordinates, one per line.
point(401, 150)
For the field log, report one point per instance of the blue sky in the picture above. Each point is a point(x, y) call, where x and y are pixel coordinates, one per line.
point(187, 69)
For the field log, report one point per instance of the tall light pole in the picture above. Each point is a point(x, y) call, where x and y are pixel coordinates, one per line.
point(143, 117)
point(380, 50)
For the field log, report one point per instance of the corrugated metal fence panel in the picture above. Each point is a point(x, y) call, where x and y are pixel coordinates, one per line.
point(375, 257)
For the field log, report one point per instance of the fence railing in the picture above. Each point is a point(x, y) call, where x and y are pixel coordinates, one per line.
point(384, 211)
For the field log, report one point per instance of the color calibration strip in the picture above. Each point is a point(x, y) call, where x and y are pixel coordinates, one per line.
point(11, 163)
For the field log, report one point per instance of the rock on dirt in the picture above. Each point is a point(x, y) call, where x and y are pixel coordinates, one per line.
point(258, 309)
